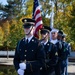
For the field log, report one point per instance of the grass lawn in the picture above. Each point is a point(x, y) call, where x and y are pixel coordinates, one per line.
point(7, 70)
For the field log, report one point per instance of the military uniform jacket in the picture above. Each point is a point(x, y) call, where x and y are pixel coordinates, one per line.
point(51, 54)
point(63, 51)
point(66, 50)
point(33, 55)
point(59, 50)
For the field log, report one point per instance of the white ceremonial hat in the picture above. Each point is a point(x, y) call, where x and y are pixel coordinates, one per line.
point(54, 30)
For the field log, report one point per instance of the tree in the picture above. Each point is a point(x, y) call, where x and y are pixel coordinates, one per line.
point(13, 9)
point(72, 25)
point(13, 13)
point(1, 36)
point(16, 32)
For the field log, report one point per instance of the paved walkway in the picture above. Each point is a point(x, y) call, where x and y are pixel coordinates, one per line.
point(9, 61)
point(71, 68)
point(5, 61)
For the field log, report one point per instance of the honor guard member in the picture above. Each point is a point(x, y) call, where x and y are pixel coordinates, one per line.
point(54, 34)
point(58, 43)
point(66, 53)
point(50, 51)
point(29, 54)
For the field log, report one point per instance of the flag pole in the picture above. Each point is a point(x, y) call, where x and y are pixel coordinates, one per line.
point(37, 17)
point(52, 14)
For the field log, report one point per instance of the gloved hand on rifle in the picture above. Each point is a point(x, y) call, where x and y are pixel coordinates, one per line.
point(22, 66)
point(20, 72)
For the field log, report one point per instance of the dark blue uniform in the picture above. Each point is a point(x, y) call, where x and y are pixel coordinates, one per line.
point(63, 53)
point(66, 52)
point(32, 54)
point(58, 65)
point(51, 58)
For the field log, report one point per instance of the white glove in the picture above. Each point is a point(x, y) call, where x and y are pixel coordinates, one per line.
point(22, 66)
point(20, 72)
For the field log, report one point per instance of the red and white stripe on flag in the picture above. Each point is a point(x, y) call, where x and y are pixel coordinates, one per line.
point(38, 19)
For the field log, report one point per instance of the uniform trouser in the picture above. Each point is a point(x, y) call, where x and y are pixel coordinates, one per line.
point(50, 70)
point(58, 69)
point(47, 71)
point(66, 72)
point(32, 73)
point(64, 68)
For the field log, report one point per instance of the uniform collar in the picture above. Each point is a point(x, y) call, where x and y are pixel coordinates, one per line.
point(29, 38)
point(44, 42)
point(54, 41)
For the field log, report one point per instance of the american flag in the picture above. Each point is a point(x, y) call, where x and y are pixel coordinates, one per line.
point(37, 17)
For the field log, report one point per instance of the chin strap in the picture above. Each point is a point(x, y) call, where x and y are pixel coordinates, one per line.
point(43, 38)
point(30, 31)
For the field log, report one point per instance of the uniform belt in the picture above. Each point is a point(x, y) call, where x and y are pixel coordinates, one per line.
point(27, 61)
point(47, 60)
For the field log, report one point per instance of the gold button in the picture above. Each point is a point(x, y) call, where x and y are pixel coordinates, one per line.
point(32, 39)
point(32, 50)
point(25, 55)
point(25, 50)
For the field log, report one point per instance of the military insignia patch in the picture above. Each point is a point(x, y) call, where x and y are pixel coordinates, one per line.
point(32, 40)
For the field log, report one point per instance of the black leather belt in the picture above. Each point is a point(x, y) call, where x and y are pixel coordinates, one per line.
point(27, 61)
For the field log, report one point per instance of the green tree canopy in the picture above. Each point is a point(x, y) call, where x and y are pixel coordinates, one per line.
point(12, 14)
